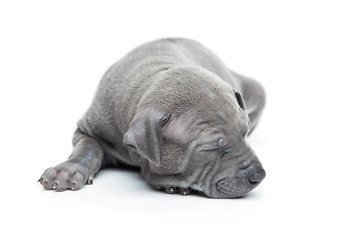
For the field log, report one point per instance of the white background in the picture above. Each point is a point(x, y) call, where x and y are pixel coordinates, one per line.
point(305, 53)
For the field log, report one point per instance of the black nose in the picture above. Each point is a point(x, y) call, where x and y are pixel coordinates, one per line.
point(257, 176)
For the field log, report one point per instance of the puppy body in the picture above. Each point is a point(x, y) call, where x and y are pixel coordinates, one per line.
point(169, 107)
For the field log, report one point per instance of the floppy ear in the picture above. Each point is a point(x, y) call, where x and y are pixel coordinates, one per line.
point(144, 135)
point(240, 100)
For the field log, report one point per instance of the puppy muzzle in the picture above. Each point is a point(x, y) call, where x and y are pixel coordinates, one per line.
point(244, 181)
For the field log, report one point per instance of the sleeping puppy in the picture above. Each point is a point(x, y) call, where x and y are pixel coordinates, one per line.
point(173, 109)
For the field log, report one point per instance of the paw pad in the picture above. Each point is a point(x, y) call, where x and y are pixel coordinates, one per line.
point(172, 190)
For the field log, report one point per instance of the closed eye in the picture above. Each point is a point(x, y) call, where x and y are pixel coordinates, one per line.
point(221, 151)
point(224, 151)
point(218, 148)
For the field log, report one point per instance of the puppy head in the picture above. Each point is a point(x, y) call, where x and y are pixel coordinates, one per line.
point(190, 132)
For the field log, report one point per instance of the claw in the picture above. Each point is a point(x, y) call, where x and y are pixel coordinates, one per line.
point(45, 184)
point(73, 186)
point(158, 187)
point(170, 190)
point(40, 180)
point(90, 180)
point(55, 186)
point(185, 191)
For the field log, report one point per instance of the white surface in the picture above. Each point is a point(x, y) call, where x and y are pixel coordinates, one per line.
point(305, 53)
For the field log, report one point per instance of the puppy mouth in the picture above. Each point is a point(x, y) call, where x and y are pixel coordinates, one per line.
point(241, 184)
point(235, 187)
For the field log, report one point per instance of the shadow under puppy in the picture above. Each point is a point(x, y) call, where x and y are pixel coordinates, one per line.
point(172, 108)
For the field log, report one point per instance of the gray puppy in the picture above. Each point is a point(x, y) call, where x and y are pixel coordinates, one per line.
point(172, 108)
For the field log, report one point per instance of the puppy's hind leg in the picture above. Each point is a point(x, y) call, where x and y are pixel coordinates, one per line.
point(84, 161)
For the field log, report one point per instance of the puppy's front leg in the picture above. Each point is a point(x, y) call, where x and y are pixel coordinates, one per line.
point(79, 169)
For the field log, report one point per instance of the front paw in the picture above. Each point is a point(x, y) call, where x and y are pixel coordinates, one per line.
point(66, 175)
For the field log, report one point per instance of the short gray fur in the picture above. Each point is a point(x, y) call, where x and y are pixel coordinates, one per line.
point(173, 109)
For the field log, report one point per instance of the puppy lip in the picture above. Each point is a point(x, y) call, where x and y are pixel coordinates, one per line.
point(227, 190)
